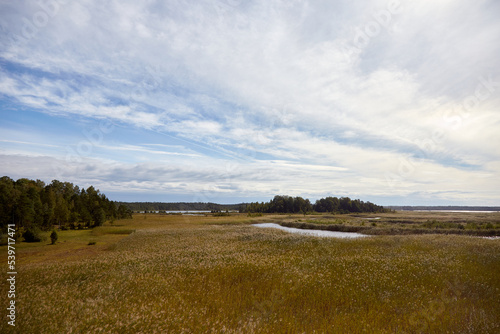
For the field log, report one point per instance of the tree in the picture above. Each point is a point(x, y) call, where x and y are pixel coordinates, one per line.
point(32, 234)
point(48, 197)
point(61, 212)
point(34, 205)
point(99, 217)
point(287, 204)
point(345, 205)
point(8, 197)
point(123, 212)
point(53, 237)
point(24, 211)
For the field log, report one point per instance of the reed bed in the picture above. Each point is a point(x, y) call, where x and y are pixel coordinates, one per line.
point(221, 275)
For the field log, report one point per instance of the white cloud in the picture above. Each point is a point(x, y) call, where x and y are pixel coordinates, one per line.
point(273, 80)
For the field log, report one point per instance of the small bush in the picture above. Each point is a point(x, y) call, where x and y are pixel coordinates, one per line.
point(53, 237)
point(32, 235)
point(221, 214)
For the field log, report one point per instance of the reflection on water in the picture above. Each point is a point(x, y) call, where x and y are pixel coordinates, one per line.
point(316, 233)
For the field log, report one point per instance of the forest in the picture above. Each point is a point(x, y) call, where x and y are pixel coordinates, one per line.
point(181, 206)
point(288, 204)
point(279, 204)
point(32, 204)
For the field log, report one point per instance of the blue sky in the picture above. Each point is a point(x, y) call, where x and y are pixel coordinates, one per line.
point(395, 102)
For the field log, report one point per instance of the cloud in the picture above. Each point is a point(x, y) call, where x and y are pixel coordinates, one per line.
point(27, 143)
point(332, 91)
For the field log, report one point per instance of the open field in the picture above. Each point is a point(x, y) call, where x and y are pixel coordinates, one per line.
point(189, 274)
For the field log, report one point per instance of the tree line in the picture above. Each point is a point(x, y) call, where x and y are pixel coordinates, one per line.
point(279, 204)
point(180, 206)
point(288, 204)
point(34, 205)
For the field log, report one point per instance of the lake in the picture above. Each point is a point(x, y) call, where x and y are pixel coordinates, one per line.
point(315, 233)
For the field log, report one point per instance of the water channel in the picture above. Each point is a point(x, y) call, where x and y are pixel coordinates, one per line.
point(315, 233)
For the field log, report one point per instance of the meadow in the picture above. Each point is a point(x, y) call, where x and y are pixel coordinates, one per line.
point(206, 274)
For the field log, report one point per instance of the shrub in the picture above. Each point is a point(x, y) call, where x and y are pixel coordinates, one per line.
point(32, 235)
point(221, 214)
point(53, 237)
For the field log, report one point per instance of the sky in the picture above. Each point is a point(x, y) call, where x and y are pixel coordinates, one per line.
point(229, 101)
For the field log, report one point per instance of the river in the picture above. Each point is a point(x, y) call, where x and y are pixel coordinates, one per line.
point(315, 233)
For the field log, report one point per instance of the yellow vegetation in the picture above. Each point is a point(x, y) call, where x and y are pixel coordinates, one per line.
point(188, 274)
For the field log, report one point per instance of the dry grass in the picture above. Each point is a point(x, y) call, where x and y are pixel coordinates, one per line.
point(404, 223)
point(185, 274)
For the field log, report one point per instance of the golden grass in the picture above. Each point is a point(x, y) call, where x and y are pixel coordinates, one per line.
point(404, 223)
point(186, 274)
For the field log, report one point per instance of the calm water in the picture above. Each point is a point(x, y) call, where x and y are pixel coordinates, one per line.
point(316, 233)
point(188, 211)
point(455, 211)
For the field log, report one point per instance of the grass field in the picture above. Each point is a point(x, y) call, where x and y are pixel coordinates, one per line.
point(404, 223)
point(188, 274)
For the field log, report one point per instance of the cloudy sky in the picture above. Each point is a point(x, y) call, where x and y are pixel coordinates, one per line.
point(395, 102)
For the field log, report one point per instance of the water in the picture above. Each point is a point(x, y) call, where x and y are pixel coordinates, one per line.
point(454, 211)
point(315, 233)
point(188, 211)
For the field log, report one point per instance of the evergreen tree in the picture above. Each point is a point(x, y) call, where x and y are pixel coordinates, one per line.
point(34, 205)
point(53, 237)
